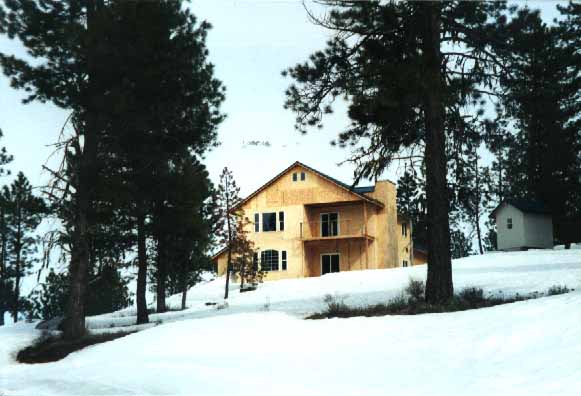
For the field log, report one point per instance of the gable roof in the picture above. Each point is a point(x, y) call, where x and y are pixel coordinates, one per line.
point(358, 191)
point(524, 205)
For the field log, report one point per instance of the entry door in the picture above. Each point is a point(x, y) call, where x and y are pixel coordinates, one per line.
point(329, 263)
point(329, 224)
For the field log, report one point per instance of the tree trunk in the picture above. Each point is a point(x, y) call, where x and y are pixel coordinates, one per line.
point(17, 264)
point(74, 325)
point(161, 273)
point(229, 262)
point(142, 316)
point(477, 208)
point(439, 286)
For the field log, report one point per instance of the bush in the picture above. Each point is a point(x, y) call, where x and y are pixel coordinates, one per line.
point(50, 349)
point(107, 291)
point(472, 295)
point(557, 289)
point(336, 305)
point(416, 289)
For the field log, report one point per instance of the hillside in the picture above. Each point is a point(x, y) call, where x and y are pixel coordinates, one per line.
point(260, 344)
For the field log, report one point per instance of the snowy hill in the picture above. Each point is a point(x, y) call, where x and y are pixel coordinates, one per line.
point(260, 344)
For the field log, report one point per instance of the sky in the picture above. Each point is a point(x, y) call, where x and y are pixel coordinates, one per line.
point(250, 44)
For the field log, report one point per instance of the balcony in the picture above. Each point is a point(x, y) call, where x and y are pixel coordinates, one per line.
point(342, 229)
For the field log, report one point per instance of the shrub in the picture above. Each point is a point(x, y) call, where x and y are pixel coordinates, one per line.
point(416, 289)
point(472, 295)
point(335, 305)
point(557, 289)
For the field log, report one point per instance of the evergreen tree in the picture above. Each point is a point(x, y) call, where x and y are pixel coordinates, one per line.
point(541, 102)
point(227, 197)
point(181, 230)
point(164, 80)
point(231, 232)
point(67, 43)
point(398, 65)
point(107, 292)
point(6, 284)
point(411, 201)
point(23, 213)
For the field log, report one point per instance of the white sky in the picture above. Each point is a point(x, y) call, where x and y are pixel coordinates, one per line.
point(250, 44)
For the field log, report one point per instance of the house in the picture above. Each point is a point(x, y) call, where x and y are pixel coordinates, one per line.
point(523, 224)
point(304, 223)
point(420, 254)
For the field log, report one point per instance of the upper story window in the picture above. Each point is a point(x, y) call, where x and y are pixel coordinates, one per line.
point(303, 176)
point(404, 229)
point(269, 221)
point(281, 221)
point(329, 224)
point(509, 223)
point(256, 222)
point(269, 260)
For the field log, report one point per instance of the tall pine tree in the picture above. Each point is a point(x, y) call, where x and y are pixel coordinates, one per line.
point(405, 68)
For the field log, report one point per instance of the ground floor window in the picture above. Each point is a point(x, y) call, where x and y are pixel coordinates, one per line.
point(405, 263)
point(283, 260)
point(269, 260)
point(329, 263)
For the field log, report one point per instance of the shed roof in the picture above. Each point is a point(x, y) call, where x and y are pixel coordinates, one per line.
point(524, 205)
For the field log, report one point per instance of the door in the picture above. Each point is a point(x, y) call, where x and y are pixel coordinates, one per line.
point(329, 224)
point(329, 263)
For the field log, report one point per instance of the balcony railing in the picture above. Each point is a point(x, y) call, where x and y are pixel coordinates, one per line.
point(331, 230)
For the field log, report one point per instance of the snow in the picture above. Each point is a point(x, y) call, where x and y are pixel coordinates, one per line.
point(260, 344)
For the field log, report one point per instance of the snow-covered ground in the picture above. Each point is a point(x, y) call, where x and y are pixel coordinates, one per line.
point(259, 344)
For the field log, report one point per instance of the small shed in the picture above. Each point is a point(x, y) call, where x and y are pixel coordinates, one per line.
point(523, 224)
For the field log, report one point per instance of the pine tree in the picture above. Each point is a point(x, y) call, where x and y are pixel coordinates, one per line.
point(70, 69)
point(397, 65)
point(164, 80)
point(182, 230)
point(227, 197)
point(24, 212)
point(542, 101)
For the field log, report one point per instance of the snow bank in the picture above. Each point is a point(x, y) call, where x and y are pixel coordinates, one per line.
point(259, 345)
point(506, 273)
point(527, 348)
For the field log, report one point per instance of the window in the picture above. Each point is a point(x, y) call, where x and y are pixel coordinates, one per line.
point(269, 260)
point(256, 222)
point(329, 224)
point(302, 176)
point(405, 263)
point(404, 229)
point(281, 221)
point(269, 222)
point(509, 223)
point(283, 259)
point(294, 176)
